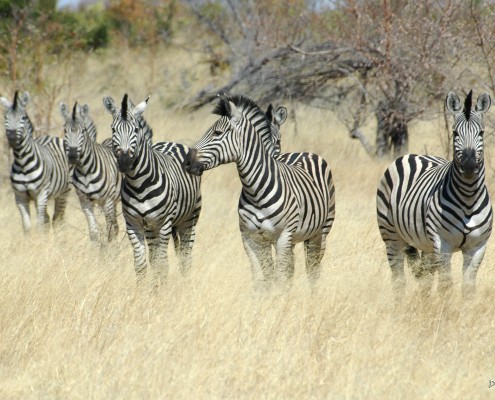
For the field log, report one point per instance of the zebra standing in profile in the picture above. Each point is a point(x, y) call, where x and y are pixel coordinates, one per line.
point(40, 170)
point(95, 177)
point(159, 199)
point(280, 204)
point(427, 203)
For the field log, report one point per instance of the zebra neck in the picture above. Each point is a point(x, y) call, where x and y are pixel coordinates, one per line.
point(465, 190)
point(257, 170)
point(27, 147)
point(144, 167)
point(87, 164)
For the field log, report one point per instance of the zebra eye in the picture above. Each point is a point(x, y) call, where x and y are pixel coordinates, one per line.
point(217, 133)
point(482, 133)
point(136, 129)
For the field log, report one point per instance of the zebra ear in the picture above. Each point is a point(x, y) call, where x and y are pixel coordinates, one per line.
point(84, 111)
point(235, 113)
point(483, 103)
point(24, 99)
point(453, 103)
point(280, 115)
point(5, 103)
point(139, 109)
point(64, 111)
point(109, 105)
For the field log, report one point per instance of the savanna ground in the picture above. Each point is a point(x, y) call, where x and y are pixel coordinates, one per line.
point(73, 324)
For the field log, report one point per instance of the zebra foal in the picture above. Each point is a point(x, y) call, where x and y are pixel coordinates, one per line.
point(40, 170)
point(280, 204)
point(159, 199)
point(95, 177)
point(437, 206)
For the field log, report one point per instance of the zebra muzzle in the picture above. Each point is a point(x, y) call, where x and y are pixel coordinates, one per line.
point(192, 165)
point(469, 166)
point(73, 156)
point(12, 137)
point(124, 161)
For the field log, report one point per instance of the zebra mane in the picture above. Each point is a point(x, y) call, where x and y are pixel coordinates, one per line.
point(123, 111)
point(468, 103)
point(14, 105)
point(74, 112)
point(241, 102)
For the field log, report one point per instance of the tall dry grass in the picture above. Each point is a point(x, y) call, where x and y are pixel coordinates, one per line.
point(73, 324)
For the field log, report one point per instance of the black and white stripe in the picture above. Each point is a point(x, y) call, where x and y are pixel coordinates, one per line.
point(95, 177)
point(438, 207)
point(159, 199)
point(281, 203)
point(40, 170)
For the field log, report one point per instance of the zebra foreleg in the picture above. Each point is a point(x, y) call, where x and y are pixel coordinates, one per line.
point(42, 216)
point(88, 210)
point(443, 261)
point(139, 249)
point(60, 205)
point(158, 246)
point(22, 202)
point(424, 272)
point(471, 263)
point(186, 242)
point(110, 211)
point(259, 252)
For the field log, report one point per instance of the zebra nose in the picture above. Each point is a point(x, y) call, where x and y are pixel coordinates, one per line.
point(72, 155)
point(11, 136)
point(191, 164)
point(123, 160)
point(468, 164)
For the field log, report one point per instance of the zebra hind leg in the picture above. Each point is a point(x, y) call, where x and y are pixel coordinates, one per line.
point(314, 251)
point(395, 256)
point(284, 267)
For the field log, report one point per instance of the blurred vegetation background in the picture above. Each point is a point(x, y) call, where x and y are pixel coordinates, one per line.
point(390, 61)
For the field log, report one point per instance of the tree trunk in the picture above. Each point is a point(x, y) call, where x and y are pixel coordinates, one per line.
point(391, 132)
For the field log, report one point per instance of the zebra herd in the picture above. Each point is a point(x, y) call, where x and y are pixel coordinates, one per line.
point(424, 204)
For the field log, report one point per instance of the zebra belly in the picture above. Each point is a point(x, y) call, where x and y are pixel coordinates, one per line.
point(271, 230)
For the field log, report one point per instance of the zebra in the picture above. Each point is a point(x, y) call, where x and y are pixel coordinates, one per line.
point(40, 170)
point(159, 199)
point(95, 177)
point(280, 204)
point(437, 206)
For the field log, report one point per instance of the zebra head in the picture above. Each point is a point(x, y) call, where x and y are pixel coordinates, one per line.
point(468, 131)
point(74, 132)
point(127, 135)
point(277, 118)
point(17, 123)
point(226, 140)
